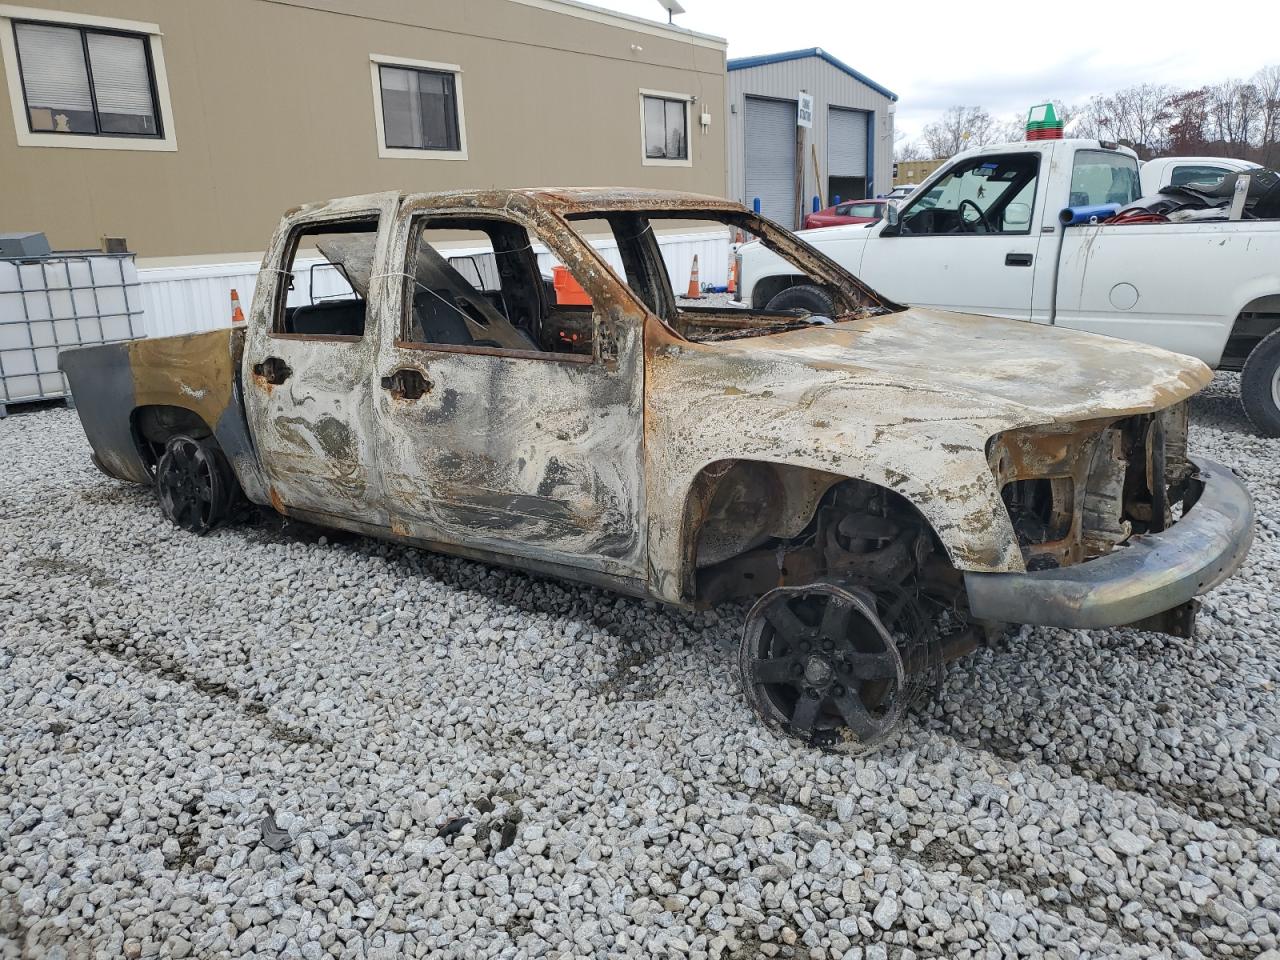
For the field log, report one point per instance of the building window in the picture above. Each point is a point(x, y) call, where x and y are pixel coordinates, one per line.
point(664, 121)
point(83, 81)
point(79, 81)
point(419, 109)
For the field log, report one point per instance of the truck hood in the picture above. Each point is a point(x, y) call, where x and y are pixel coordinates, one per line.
point(947, 366)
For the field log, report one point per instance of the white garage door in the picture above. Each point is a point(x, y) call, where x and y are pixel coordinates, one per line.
point(847, 142)
point(771, 158)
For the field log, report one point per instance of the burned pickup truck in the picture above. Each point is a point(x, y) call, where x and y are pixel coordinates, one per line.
point(882, 485)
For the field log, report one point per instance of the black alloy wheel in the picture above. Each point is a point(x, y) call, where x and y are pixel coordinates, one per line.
point(194, 484)
point(820, 662)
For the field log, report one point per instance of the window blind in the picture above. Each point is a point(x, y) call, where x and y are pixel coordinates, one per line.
point(120, 79)
point(53, 68)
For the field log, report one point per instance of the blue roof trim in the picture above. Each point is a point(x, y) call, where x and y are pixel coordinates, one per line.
point(746, 63)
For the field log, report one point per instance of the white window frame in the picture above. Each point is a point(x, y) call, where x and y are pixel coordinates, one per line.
point(26, 138)
point(688, 129)
point(377, 60)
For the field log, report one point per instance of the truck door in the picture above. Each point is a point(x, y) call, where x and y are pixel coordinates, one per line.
point(508, 425)
point(310, 348)
point(965, 244)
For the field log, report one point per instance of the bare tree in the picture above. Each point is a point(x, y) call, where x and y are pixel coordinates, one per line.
point(904, 149)
point(1234, 113)
point(959, 129)
point(1137, 116)
point(1189, 123)
point(1267, 83)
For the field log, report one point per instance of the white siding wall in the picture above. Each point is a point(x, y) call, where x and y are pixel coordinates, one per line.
point(189, 299)
point(831, 87)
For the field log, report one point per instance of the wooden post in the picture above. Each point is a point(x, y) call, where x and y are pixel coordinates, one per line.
point(800, 178)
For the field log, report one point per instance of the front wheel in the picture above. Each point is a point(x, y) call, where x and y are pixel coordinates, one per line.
point(808, 297)
point(194, 483)
point(1260, 385)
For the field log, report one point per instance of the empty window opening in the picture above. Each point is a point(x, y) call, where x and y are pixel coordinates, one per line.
point(328, 271)
point(478, 282)
point(659, 276)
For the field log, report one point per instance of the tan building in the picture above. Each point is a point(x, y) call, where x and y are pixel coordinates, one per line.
point(914, 171)
point(189, 126)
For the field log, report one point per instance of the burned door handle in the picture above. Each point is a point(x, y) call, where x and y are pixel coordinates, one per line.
point(406, 384)
point(1017, 259)
point(273, 370)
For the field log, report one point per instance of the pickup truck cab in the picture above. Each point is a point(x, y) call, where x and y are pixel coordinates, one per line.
point(851, 476)
point(982, 235)
point(1176, 171)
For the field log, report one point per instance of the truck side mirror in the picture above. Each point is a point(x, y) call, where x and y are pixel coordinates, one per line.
point(892, 225)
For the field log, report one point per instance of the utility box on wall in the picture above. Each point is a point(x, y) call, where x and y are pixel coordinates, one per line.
point(23, 245)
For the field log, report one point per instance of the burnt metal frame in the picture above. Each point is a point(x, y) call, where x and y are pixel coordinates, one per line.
point(88, 67)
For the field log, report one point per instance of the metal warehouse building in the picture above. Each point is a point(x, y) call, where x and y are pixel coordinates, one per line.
point(847, 152)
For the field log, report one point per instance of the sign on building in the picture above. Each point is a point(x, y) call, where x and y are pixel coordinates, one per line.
point(804, 112)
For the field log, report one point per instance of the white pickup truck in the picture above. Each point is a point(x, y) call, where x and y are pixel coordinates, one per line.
point(982, 235)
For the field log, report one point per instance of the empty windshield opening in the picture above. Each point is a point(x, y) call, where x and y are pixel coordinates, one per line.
point(654, 251)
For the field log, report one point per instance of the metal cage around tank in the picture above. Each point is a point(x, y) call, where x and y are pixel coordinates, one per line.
point(59, 300)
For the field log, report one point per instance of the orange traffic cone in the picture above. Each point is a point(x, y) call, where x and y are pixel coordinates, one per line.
point(733, 274)
point(237, 315)
point(695, 288)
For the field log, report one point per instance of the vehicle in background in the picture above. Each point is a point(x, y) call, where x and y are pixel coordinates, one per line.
point(851, 211)
point(1176, 171)
point(900, 191)
point(982, 235)
point(857, 477)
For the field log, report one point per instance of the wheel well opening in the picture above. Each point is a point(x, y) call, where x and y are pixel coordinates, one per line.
point(1258, 319)
point(154, 425)
point(769, 287)
point(752, 526)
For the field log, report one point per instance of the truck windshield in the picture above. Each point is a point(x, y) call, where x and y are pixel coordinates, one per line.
point(1103, 176)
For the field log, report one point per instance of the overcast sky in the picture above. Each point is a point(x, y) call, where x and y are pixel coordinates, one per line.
point(934, 55)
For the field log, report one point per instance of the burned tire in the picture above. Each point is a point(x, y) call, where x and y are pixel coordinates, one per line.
point(805, 296)
point(194, 484)
point(1260, 385)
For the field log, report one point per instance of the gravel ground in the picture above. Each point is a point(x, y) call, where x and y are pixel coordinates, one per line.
point(248, 744)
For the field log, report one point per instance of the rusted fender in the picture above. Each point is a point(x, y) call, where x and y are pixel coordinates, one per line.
point(196, 372)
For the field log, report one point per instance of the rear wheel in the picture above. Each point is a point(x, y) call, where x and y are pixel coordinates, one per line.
point(805, 296)
point(194, 483)
point(1260, 385)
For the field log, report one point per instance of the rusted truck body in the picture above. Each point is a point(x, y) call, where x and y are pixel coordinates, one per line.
point(884, 485)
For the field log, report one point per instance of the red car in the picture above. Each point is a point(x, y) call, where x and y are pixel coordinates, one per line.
point(851, 211)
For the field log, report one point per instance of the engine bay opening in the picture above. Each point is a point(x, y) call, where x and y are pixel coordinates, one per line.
point(1040, 509)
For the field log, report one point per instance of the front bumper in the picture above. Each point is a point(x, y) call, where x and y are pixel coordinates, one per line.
point(1152, 573)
